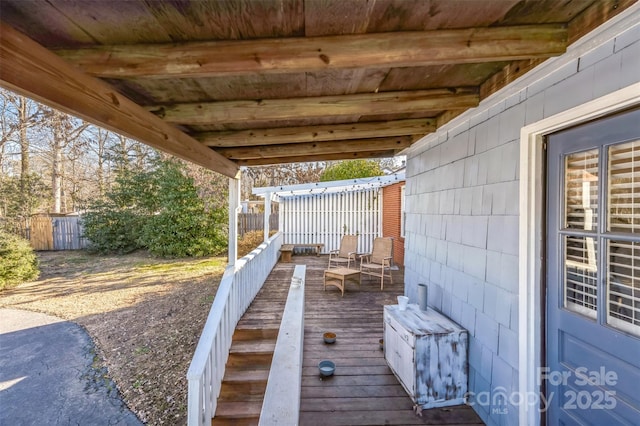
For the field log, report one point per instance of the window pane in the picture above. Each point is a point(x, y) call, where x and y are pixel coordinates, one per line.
point(581, 275)
point(623, 286)
point(624, 187)
point(581, 189)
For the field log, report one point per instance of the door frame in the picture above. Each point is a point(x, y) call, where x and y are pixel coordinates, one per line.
point(531, 234)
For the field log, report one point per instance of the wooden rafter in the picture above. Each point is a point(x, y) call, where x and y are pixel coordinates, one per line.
point(322, 157)
point(309, 54)
point(28, 68)
point(333, 132)
point(318, 148)
point(317, 107)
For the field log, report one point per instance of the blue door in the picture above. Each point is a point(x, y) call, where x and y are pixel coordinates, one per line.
point(592, 376)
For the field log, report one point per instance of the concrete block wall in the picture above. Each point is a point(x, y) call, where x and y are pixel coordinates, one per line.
point(462, 201)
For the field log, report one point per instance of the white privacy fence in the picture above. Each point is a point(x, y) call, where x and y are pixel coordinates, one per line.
point(325, 218)
point(238, 287)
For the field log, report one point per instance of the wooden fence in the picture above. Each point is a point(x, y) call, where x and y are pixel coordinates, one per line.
point(51, 232)
point(255, 222)
point(325, 218)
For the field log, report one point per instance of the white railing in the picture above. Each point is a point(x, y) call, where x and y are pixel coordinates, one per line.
point(238, 287)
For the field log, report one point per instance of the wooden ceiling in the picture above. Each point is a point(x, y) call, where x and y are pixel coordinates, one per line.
point(250, 82)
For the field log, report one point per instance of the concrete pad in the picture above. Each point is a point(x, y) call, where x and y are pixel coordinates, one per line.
point(47, 377)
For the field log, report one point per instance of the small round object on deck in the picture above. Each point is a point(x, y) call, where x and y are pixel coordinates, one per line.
point(327, 368)
point(329, 337)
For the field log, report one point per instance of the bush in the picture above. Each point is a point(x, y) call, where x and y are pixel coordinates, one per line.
point(18, 262)
point(250, 240)
point(158, 210)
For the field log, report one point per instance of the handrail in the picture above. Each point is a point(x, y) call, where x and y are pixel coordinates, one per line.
point(239, 286)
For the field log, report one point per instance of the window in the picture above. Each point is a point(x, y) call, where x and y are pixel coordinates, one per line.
point(617, 234)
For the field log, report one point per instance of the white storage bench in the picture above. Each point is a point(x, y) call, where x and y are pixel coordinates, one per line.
point(428, 354)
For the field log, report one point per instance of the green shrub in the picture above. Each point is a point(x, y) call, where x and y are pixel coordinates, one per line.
point(18, 262)
point(158, 210)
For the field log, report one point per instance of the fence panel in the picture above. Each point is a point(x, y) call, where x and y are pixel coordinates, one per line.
point(68, 233)
point(41, 233)
point(326, 218)
point(255, 222)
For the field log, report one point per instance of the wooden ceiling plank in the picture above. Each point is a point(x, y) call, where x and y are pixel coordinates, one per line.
point(308, 54)
point(333, 132)
point(30, 69)
point(318, 148)
point(322, 157)
point(322, 106)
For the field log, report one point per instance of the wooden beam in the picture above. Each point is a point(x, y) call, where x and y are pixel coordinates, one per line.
point(318, 148)
point(31, 70)
point(321, 157)
point(309, 54)
point(594, 16)
point(330, 132)
point(318, 107)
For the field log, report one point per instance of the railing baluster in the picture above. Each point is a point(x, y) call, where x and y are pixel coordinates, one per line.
point(237, 289)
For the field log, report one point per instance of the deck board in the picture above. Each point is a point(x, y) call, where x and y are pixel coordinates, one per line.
point(363, 390)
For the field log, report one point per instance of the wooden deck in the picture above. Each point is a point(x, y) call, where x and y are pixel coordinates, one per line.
point(363, 390)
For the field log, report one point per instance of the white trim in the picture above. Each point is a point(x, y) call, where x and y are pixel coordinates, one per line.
point(531, 229)
point(348, 185)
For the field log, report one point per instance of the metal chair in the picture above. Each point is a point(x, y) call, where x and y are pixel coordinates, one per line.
point(346, 253)
point(378, 261)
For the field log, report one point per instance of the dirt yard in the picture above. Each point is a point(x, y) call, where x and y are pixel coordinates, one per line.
point(144, 314)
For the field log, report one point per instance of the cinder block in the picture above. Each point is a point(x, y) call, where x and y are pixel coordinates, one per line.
point(456, 309)
point(493, 132)
point(508, 346)
point(481, 141)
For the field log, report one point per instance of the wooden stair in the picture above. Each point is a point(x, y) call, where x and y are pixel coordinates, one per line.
point(245, 378)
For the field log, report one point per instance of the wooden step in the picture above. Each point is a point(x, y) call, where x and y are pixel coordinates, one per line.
point(232, 375)
point(253, 347)
point(237, 413)
point(242, 334)
point(246, 391)
point(257, 361)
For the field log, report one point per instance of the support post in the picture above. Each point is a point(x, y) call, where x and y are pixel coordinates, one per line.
point(234, 207)
point(267, 214)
